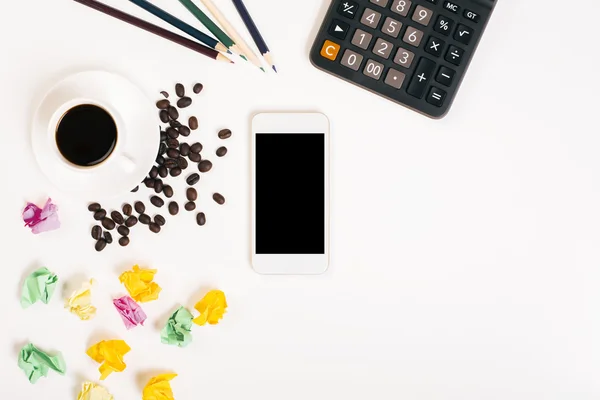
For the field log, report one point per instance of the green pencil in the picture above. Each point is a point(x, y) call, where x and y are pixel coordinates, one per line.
point(211, 26)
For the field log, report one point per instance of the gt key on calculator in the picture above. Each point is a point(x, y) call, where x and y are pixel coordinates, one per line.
point(413, 52)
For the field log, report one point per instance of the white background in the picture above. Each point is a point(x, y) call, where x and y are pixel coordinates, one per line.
point(465, 257)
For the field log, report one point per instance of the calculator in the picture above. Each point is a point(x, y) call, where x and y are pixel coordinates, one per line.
point(413, 52)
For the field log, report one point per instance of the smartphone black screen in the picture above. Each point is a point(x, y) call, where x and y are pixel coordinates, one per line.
point(290, 193)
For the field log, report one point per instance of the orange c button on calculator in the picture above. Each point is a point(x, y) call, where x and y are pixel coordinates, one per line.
point(330, 50)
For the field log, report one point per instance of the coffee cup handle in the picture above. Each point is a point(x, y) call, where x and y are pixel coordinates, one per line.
point(127, 163)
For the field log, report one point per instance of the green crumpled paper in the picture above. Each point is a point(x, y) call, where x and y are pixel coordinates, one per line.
point(178, 330)
point(40, 286)
point(36, 363)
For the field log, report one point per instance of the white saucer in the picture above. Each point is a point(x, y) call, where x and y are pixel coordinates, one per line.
point(138, 136)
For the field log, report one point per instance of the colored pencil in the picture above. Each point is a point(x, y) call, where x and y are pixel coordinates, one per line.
point(210, 25)
point(165, 34)
point(253, 29)
point(232, 33)
point(179, 24)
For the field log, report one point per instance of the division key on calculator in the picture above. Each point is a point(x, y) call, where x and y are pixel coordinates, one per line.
point(413, 52)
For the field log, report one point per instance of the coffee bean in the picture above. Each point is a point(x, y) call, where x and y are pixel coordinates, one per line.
point(170, 163)
point(162, 149)
point(117, 217)
point(204, 166)
point(140, 208)
point(135, 189)
point(172, 133)
point(182, 163)
point(198, 88)
point(224, 134)
point(201, 219)
point(191, 194)
point(153, 172)
point(96, 232)
point(173, 208)
point(174, 124)
point(221, 151)
point(173, 153)
point(98, 215)
point(173, 113)
point(124, 241)
point(160, 220)
point(195, 157)
point(163, 104)
point(158, 186)
point(179, 90)
point(184, 102)
point(184, 149)
point(190, 206)
point(100, 245)
point(196, 147)
point(168, 191)
point(160, 160)
point(163, 136)
point(172, 143)
point(127, 209)
point(184, 130)
point(108, 237)
point(165, 94)
point(108, 223)
point(192, 179)
point(94, 207)
point(164, 116)
point(157, 201)
point(131, 221)
point(154, 227)
point(163, 172)
point(144, 219)
point(149, 182)
point(123, 230)
point(218, 198)
point(175, 172)
point(193, 123)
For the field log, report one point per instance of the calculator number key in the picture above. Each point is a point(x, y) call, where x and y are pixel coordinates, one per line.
point(370, 18)
point(443, 25)
point(463, 34)
point(362, 39)
point(436, 96)
point(351, 60)
point(401, 7)
point(373, 69)
point(348, 8)
point(455, 55)
point(404, 57)
point(422, 15)
point(434, 46)
point(383, 48)
point(445, 76)
point(413, 36)
point(391, 27)
point(421, 78)
point(394, 78)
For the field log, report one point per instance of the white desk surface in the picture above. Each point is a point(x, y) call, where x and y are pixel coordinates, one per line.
point(465, 252)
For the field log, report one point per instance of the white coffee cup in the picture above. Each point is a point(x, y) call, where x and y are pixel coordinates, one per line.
point(137, 141)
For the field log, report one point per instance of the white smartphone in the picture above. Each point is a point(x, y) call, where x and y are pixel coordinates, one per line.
point(290, 193)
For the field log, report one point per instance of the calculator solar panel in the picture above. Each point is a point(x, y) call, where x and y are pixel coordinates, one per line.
point(413, 52)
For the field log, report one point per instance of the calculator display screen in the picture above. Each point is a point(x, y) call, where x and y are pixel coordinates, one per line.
point(290, 193)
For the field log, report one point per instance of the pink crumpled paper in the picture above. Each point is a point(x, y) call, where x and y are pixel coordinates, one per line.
point(131, 313)
point(41, 219)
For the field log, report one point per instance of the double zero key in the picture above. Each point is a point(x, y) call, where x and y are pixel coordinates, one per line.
point(423, 74)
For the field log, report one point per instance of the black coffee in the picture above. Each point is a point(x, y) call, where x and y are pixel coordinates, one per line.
point(86, 135)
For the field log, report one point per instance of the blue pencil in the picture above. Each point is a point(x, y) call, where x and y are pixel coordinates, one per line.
point(179, 24)
point(253, 29)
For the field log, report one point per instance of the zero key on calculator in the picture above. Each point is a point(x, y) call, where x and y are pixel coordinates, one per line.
point(413, 52)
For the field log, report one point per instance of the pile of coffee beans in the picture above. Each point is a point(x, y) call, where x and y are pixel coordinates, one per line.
point(175, 155)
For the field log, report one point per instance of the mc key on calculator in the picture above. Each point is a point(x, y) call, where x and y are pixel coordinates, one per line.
point(413, 52)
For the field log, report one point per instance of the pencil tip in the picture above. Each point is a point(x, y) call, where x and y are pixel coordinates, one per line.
point(244, 57)
point(229, 52)
point(275, 69)
point(262, 69)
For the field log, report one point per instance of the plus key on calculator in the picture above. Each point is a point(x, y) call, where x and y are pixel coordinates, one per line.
point(413, 52)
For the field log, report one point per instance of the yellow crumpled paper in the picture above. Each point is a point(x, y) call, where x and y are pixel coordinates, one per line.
point(211, 308)
point(80, 302)
point(110, 354)
point(91, 391)
point(139, 283)
point(159, 388)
